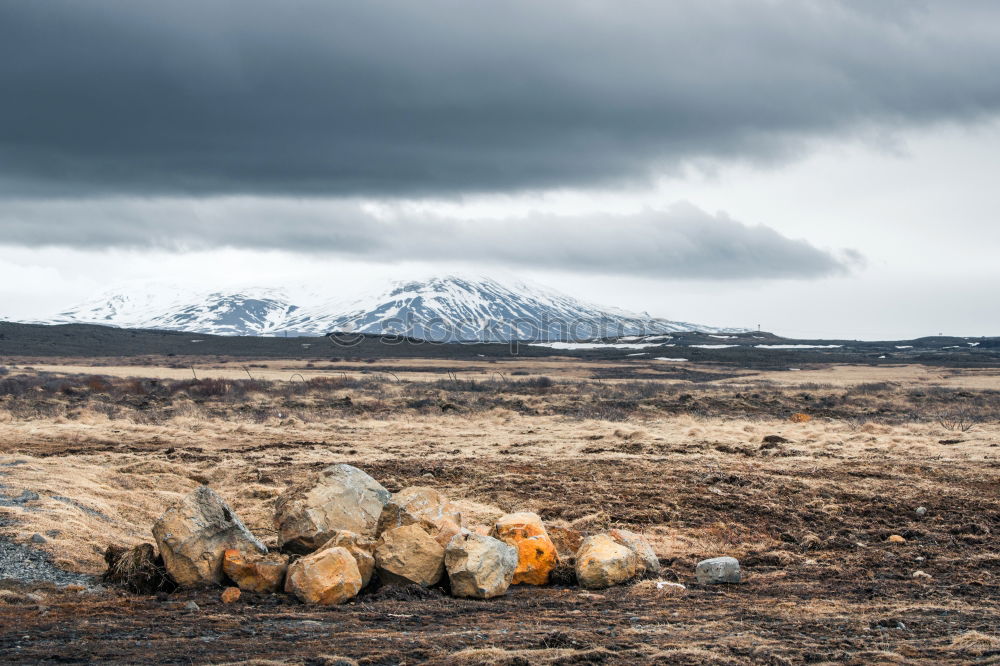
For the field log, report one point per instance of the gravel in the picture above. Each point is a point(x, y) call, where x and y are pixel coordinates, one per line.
point(25, 564)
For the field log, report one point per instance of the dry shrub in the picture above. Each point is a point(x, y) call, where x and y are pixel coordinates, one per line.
point(976, 642)
point(137, 569)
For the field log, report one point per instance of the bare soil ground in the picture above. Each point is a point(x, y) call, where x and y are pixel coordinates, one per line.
point(89, 456)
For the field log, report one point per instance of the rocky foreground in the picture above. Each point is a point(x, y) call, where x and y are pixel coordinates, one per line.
point(341, 531)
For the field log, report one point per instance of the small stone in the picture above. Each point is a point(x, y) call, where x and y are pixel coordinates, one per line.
point(38, 538)
point(192, 606)
point(895, 538)
point(230, 595)
point(718, 570)
point(922, 575)
point(921, 510)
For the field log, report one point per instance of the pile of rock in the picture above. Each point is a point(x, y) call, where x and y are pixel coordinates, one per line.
point(340, 530)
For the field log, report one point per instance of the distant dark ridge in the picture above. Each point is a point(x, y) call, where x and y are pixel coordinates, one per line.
point(91, 341)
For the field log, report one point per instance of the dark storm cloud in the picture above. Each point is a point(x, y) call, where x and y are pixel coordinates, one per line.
point(680, 242)
point(398, 97)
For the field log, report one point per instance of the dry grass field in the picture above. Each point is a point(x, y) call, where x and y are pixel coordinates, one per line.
point(90, 455)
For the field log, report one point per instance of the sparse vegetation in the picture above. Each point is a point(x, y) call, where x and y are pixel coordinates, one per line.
point(703, 468)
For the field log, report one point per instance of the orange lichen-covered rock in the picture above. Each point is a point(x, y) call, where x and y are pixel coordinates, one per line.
point(799, 417)
point(255, 573)
point(230, 595)
point(536, 554)
point(328, 576)
point(602, 562)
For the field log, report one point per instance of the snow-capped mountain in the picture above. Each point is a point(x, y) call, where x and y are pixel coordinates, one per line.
point(245, 312)
point(451, 308)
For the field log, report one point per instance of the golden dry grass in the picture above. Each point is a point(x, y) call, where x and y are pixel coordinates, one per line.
point(808, 517)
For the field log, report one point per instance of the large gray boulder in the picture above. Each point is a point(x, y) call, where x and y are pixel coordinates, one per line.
point(478, 566)
point(340, 497)
point(195, 532)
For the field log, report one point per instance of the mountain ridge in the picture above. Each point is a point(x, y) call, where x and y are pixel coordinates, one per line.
point(449, 308)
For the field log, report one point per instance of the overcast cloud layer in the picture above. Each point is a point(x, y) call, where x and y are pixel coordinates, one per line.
point(404, 98)
point(681, 242)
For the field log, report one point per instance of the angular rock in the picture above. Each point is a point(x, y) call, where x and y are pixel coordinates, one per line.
point(650, 565)
point(478, 566)
point(536, 554)
point(230, 595)
point(193, 534)
point(718, 570)
point(255, 573)
point(409, 555)
point(328, 576)
point(420, 504)
point(361, 548)
point(602, 562)
point(340, 497)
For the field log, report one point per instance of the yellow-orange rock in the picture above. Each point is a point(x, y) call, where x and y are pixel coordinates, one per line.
point(895, 538)
point(602, 562)
point(799, 417)
point(409, 555)
point(362, 548)
point(536, 554)
point(329, 576)
point(230, 595)
point(255, 573)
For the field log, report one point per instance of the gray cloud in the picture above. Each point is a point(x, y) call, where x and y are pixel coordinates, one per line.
point(442, 96)
point(679, 242)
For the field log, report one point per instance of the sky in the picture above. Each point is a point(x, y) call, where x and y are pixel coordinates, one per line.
point(820, 168)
